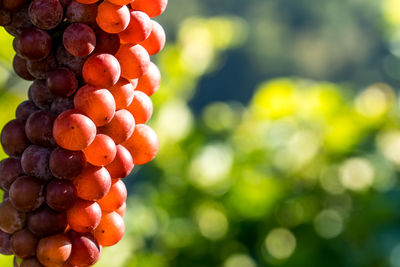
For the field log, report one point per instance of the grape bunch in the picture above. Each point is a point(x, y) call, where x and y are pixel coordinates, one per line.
point(82, 129)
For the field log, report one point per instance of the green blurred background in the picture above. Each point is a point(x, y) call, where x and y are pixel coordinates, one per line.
point(279, 125)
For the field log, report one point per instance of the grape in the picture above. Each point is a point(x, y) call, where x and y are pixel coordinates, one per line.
point(138, 30)
point(6, 195)
point(121, 126)
point(102, 70)
point(123, 93)
point(87, 1)
point(106, 42)
point(156, 40)
point(46, 14)
point(66, 3)
point(39, 128)
point(134, 60)
point(122, 164)
point(5, 243)
point(141, 107)
point(39, 69)
point(25, 109)
point(33, 44)
point(74, 131)
point(60, 194)
point(84, 216)
point(115, 197)
point(23, 244)
point(79, 39)
point(143, 144)
point(121, 210)
point(85, 250)
point(120, 2)
point(19, 22)
point(67, 60)
point(60, 105)
point(35, 162)
point(31, 262)
point(97, 104)
point(54, 250)
point(12, 4)
point(110, 230)
point(21, 69)
point(93, 183)
point(10, 170)
point(153, 8)
point(101, 152)
point(62, 82)
point(40, 94)
point(13, 138)
point(150, 81)
point(112, 18)
point(27, 193)
point(45, 222)
point(5, 17)
point(11, 220)
point(66, 164)
point(77, 12)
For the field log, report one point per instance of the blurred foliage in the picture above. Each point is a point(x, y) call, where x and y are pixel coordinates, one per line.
point(303, 173)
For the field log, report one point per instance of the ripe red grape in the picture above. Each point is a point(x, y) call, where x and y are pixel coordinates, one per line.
point(35, 162)
point(39, 69)
point(79, 39)
point(110, 230)
point(25, 109)
point(67, 60)
point(21, 69)
point(66, 164)
point(150, 81)
point(19, 22)
point(23, 243)
point(11, 220)
point(156, 40)
point(46, 14)
point(39, 128)
point(141, 107)
point(10, 170)
point(40, 94)
point(85, 250)
point(60, 194)
point(27, 193)
point(122, 92)
point(153, 8)
point(138, 30)
point(115, 197)
point(106, 42)
point(45, 222)
point(78, 12)
point(61, 104)
point(101, 151)
point(62, 82)
point(13, 138)
point(54, 250)
point(33, 44)
point(112, 18)
point(84, 216)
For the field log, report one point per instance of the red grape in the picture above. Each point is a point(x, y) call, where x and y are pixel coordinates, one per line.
point(33, 44)
point(156, 40)
point(115, 197)
point(79, 39)
point(25, 109)
point(54, 250)
point(85, 250)
point(62, 82)
point(13, 138)
point(5, 243)
point(60, 194)
point(10, 170)
point(46, 14)
point(138, 30)
point(21, 69)
point(106, 42)
point(122, 92)
point(11, 220)
point(153, 8)
point(45, 222)
point(121, 126)
point(39, 128)
point(101, 151)
point(112, 18)
point(93, 183)
point(84, 216)
point(78, 12)
point(134, 60)
point(66, 164)
point(150, 81)
point(102, 70)
point(122, 164)
point(40, 94)
point(35, 162)
point(141, 107)
point(110, 230)
point(27, 193)
point(23, 243)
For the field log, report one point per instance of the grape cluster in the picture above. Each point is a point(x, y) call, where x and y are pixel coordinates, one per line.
point(83, 128)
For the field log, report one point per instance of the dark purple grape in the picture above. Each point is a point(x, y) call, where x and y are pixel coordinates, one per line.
point(62, 82)
point(23, 243)
point(13, 138)
point(31, 262)
point(12, 4)
point(45, 221)
point(39, 128)
point(40, 69)
point(46, 14)
point(21, 69)
point(40, 94)
point(79, 39)
point(35, 162)
point(19, 22)
point(11, 220)
point(60, 105)
point(106, 42)
point(65, 3)
point(84, 13)
point(33, 44)
point(5, 17)
point(65, 59)
point(60, 194)
point(25, 109)
point(27, 193)
point(10, 170)
point(5, 243)
point(66, 164)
